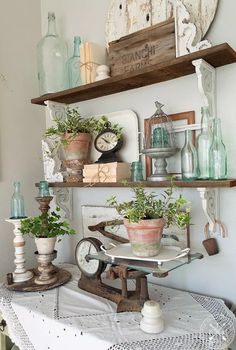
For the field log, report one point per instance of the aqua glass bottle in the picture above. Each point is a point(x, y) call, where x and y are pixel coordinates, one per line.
point(204, 142)
point(136, 171)
point(17, 203)
point(189, 166)
point(43, 189)
point(52, 57)
point(74, 65)
point(218, 156)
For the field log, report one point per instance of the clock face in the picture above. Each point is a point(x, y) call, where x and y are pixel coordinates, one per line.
point(92, 267)
point(106, 142)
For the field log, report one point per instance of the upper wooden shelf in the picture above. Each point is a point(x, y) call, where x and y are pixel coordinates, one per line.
point(217, 56)
point(177, 183)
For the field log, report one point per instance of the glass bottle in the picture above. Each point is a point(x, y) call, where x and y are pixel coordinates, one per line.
point(52, 56)
point(204, 142)
point(43, 189)
point(17, 203)
point(218, 156)
point(189, 166)
point(74, 65)
point(136, 171)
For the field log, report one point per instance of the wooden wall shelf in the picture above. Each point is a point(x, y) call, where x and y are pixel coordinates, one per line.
point(217, 56)
point(152, 184)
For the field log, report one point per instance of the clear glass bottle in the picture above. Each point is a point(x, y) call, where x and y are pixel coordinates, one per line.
point(52, 57)
point(204, 142)
point(218, 156)
point(189, 166)
point(17, 203)
point(74, 65)
point(43, 189)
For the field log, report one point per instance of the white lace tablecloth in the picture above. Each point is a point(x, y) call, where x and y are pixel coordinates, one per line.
point(69, 318)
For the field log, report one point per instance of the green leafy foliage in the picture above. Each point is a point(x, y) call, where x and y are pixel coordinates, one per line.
point(151, 206)
point(46, 225)
point(102, 125)
point(73, 123)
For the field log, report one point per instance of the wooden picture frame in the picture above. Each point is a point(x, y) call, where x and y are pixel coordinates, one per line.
point(186, 117)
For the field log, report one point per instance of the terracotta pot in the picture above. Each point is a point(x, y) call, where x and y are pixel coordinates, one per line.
point(45, 245)
point(77, 146)
point(145, 236)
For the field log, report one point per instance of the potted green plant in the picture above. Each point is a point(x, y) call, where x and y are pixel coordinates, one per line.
point(146, 215)
point(45, 228)
point(74, 133)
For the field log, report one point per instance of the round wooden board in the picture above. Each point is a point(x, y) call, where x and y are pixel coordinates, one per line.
point(128, 16)
point(30, 286)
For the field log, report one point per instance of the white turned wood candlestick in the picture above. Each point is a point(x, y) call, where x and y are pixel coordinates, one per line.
point(20, 274)
point(152, 321)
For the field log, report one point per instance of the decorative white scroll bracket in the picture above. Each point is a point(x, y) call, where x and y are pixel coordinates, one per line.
point(55, 110)
point(51, 163)
point(185, 32)
point(51, 157)
point(210, 205)
point(63, 196)
point(64, 200)
point(206, 75)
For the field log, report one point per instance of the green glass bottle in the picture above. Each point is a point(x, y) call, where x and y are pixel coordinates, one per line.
point(17, 203)
point(43, 189)
point(136, 171)
point(218, 156)
point(74, 65)
point(204, 142)
point(52, 57)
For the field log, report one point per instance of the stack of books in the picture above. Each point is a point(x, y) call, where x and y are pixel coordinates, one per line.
point(107, 172)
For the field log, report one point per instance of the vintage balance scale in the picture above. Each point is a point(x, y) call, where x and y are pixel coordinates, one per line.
point(92, 260)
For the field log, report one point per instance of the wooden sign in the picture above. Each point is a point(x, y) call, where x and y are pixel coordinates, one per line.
point(146, 47)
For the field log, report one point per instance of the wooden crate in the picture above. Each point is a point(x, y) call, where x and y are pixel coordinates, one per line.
point(146, 47)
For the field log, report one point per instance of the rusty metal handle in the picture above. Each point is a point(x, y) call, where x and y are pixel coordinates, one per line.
point(100, 227)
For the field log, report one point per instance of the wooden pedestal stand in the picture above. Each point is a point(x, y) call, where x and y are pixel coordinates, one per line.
point(20, 274)
point(46, 276)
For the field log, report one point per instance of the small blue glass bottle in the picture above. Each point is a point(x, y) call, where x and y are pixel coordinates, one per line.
point(17, 203)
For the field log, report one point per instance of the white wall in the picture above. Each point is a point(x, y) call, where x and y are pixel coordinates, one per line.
point(212, 275)
point(21, 124)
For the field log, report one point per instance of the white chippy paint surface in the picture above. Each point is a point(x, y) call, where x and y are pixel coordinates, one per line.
point(128, 16)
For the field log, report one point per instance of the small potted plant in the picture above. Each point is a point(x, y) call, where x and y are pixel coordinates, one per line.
point(45, 228)
point(146, 215)
point(75, 133)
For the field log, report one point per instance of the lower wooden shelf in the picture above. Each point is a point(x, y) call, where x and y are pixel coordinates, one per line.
point(178, 183)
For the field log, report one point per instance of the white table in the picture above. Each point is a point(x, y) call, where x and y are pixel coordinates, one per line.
point(69, 318)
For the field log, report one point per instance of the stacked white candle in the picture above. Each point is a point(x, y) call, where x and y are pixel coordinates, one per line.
point(152, 321)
